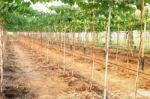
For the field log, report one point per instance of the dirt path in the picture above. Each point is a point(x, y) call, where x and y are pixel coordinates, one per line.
point(119, 83)
point(26, 76)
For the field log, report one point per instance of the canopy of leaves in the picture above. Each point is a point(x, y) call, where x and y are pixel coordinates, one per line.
point(19, 16)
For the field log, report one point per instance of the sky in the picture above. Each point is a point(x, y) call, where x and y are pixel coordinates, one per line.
point(26, 0)
point(43, 7)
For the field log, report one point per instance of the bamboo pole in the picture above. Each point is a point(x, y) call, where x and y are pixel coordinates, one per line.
point(71, 47)
point(107, 52)
point(64, 67)
point(140, 48)
point(59, 40)
point(128, 41)
point(143, 46)
point(47, 49)
point(93, 46)
point(73, 42)
point(2, 50)
point(32, 43)
point(117, 44)
point(1, 59)
point(85, 38)
point(131, 37)
point(61, 36)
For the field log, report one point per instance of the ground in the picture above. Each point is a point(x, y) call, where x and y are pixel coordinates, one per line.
point(35, 72)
